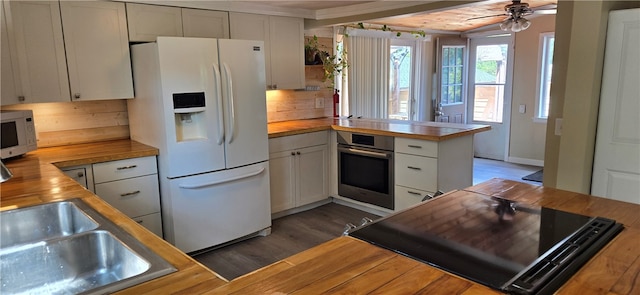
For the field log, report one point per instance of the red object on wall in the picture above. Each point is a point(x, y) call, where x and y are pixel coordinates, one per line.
point(336, 100)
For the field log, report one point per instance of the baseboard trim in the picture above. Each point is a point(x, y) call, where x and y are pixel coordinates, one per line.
point(300, 209)
point(525, 161)
point(361, 206)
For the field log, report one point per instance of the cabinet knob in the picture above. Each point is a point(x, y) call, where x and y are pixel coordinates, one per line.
point(21, 98)
point(293, 153)
point(298, 153)
point(76, 95)
point(80, 174)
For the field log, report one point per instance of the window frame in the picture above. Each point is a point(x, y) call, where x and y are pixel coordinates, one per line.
point(544, 74)
point(412, 88)
point(462, 75)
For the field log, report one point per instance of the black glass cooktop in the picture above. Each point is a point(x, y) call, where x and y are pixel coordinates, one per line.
point(512, 247)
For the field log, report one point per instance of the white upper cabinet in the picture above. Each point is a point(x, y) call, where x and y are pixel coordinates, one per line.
point(96, 40)
point(146, 22)
point(205, 23)
point(34, 67)
point(284, 46)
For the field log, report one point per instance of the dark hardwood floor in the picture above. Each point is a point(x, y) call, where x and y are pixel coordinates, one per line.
point(298, 232)
point(289, 235)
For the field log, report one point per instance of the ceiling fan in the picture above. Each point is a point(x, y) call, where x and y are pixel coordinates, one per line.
point(515, 13)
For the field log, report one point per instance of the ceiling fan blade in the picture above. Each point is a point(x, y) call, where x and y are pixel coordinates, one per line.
point(545, 11)
point(486, 16)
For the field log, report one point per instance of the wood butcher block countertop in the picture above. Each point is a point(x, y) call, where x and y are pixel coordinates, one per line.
point(343, 265)
point(434, 131)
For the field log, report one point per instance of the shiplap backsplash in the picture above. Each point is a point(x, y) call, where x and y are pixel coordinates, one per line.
point(64, 123)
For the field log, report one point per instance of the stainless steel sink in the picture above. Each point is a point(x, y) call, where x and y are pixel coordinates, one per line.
point(36, 223)
point(83, 253)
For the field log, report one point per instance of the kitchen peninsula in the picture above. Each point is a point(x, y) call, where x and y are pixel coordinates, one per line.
point(338, 266)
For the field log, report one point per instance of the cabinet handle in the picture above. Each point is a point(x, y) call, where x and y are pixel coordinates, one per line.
point(414, 193)
point(127, 167)
point(76, 95)
point(415, 146)
point(130, 194)
point(21, 98)
point(414, 168)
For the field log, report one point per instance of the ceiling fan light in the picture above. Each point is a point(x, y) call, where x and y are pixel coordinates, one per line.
point(506, 24)
point(524, 23)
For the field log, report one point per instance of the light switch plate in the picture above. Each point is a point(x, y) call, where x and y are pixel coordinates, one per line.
point(558, 129)
point(319, 102)
point(522, 108)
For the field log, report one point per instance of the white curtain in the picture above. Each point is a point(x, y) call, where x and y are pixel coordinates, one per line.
point(368, 72)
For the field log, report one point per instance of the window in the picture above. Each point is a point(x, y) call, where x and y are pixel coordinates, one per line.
point(452, 69)
point(547, 41)
point(400, 78)
point(489, 82)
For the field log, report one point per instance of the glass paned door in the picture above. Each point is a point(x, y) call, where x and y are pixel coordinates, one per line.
point(490, 94)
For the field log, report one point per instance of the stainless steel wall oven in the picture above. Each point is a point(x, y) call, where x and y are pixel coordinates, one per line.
point(365, 168)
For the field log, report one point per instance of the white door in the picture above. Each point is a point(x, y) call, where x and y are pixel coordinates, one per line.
point(195, 137)
point(245, 101)
point(489, 94)
point(616, 169)
point(450, 103)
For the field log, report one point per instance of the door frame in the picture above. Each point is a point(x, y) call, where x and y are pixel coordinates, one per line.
point(508, 86)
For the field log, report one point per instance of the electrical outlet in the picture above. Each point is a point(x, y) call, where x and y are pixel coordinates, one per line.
point(319, 102)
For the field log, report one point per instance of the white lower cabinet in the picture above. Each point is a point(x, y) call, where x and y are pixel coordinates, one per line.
point(299, 170)
point(131, 186)
point(82, 174)
point(424, 167)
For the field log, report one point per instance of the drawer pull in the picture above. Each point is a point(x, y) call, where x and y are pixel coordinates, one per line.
point(127, 167)
point(414, 193)
point(414, 146)
point(130, 194)
point(414, 168)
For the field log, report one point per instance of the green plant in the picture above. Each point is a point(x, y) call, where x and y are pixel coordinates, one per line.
point(311, 50)
point(333, 64)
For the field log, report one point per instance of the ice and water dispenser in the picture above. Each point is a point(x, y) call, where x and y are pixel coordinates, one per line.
point(190, 116)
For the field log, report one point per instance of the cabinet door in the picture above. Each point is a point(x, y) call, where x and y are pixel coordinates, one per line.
point(8, 64)
point(97, 46)
point(152, 222)
point(205, 23)
point(287, 52)
point(146, 22)
point(253, 27)
point(282, 181)
point(35, 34)
point(312, 172)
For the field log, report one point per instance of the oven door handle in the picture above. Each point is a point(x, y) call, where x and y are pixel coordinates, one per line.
point(366, 153)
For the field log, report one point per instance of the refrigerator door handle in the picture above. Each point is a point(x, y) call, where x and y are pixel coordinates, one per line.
point(232, 115)
point(220, 181)
point(216, 73)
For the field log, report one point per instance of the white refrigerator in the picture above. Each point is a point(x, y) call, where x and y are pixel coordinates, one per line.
point(202, 103)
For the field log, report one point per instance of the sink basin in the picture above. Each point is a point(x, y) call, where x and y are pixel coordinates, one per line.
point(32, 224)
point(69, 248)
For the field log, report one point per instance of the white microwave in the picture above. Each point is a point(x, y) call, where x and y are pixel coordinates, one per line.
point(18, 133)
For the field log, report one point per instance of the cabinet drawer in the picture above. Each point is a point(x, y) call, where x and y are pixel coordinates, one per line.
point(416, 147)
point(416, 172)
point(115, 170)
point(152, 222)
point(134, 196)
point(298, 141)
point(406, 197)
